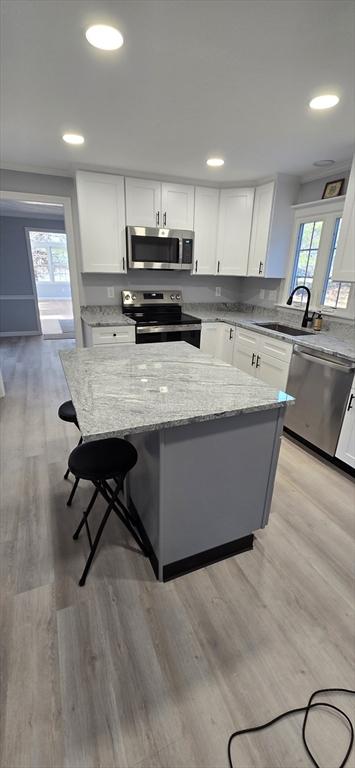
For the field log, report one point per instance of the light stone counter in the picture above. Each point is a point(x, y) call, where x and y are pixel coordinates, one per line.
point(119, 390)
point(102, 317)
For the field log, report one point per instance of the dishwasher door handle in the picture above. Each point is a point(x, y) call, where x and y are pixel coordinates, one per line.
point(345, 367)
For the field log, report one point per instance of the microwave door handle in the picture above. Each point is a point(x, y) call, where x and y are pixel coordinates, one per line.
point(180, 251)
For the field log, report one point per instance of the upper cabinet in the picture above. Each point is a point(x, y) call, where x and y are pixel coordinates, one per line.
point(157, 204)
point(143, 203)
point(234, 227)
point(177, 203)
point(205, 227)
point(344, 261)
point(271, 227)
point(102, 222)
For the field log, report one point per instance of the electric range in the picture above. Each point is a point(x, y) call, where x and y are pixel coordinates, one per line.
point(159, 317)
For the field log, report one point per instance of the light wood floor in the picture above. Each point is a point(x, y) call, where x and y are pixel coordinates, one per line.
point(130, 672)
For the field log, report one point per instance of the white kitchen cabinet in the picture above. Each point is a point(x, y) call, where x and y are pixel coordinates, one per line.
point(209, 342)
point(225, 346)
point(156, 204)
point(102, 222)
point(143, 203)
point(344, 261)
point(177, 202)
point(234, 227)
point(109, 334)
point(346, 445)
point(264, 357)
point(205, 228)
point(272, 227)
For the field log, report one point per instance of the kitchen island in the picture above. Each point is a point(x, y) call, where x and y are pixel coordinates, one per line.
point(207, 436)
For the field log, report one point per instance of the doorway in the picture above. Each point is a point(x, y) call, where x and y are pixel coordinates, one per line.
point(49, 254)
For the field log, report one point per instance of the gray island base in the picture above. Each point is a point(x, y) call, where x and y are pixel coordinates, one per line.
point(207, 436)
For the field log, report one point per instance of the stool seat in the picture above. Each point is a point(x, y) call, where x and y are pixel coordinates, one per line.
point(67, 412)
point(102, 459)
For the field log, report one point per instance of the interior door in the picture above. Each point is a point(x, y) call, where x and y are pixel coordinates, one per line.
point(235, 216)
point(143, 203)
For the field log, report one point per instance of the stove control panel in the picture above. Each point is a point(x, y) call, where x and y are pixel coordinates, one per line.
point(146, 298)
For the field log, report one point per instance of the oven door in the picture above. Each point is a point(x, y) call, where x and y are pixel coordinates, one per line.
point(149, 335)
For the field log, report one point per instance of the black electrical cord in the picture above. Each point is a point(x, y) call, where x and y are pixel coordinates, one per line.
point(306, 710)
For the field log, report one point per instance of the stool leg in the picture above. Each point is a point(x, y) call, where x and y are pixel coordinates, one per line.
point(86, 513)
point(97, 539)
point(73, 492)
point(68, 470)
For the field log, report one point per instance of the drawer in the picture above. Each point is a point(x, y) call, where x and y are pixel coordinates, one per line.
point(114, 334)
point(247, 340)
point(275, 348)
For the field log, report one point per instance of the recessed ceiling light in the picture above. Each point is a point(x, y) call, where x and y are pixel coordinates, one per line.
point(215, 162)
point(105, 37)
point(73, 138)
point(323, 163)
point(326, 101)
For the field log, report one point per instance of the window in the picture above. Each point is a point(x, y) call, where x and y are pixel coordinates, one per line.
point(306, 257)
point(50, 257)
point(314, 246)
point(335, 294)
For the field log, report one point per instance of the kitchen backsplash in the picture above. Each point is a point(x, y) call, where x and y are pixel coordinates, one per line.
point(197, 288)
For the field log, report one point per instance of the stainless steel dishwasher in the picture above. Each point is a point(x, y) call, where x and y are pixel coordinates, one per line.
point(321, 385)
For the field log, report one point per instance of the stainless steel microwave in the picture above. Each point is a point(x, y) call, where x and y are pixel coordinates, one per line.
point(158, 248)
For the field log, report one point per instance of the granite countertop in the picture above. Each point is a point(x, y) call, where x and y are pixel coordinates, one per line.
point(101, 316)
point(321, 341)
point(128, 388)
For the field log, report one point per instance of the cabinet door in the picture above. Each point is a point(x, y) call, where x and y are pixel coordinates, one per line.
point(244, 359)
point(234, 226)
point(263, 204)
point(121, 334)
point(209, 342)
point(102, 222)
point(272, 371)
point(226, 343)
point(346, 445)
point(143, 203)
point(344, 261)
point(178, 206)
point(205, 227)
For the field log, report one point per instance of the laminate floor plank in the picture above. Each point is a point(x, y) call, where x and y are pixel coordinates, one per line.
point(130, 673)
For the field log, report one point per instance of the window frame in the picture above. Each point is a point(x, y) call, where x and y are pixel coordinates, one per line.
point(328, 214)
point(48, 245)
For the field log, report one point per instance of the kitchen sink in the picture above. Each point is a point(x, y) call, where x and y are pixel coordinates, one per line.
point(287, 329)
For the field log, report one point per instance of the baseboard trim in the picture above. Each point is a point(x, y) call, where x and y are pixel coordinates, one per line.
point(208, 557)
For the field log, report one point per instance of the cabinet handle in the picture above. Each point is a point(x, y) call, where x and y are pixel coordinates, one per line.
point(253, 358)
point(196, 265)
point(124, 263)
point(164, 219)
point(218, 264)
point(230, 333)
point(157, 215)
point(261, 264)
point(258, 358)
point(350, 403)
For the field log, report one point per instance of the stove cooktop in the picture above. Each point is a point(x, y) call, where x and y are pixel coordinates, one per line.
point(145, 319)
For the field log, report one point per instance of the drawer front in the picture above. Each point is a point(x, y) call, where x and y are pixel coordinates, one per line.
point(275, 348)
point(114, 335)
point(247, 340)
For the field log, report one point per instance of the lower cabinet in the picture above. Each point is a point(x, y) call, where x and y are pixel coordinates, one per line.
point(264, 357)
point(109, 334)
point(346, 446)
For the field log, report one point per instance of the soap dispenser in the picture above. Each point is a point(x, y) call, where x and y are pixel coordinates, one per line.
point(318, 322)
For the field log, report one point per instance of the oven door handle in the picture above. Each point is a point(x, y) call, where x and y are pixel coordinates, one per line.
point(168, 328)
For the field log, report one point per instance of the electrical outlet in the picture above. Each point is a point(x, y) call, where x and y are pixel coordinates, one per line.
point(218, 290)
point(111, 292)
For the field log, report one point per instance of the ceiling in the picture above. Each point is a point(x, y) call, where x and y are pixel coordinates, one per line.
point(194, 78)
point(38, 210)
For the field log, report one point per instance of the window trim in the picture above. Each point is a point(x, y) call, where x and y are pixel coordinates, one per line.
point(328, 215)
point(51, 231)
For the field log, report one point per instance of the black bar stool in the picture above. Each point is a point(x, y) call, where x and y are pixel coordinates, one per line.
point(100, 461)
point(67, 412)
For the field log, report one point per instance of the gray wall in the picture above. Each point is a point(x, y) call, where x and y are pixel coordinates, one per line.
point(313, 190)
point(17, 298)
point(199, 289)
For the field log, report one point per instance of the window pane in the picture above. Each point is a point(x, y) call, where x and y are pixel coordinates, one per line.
point(306, 258)
point(335, 293)
point(41, 264)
